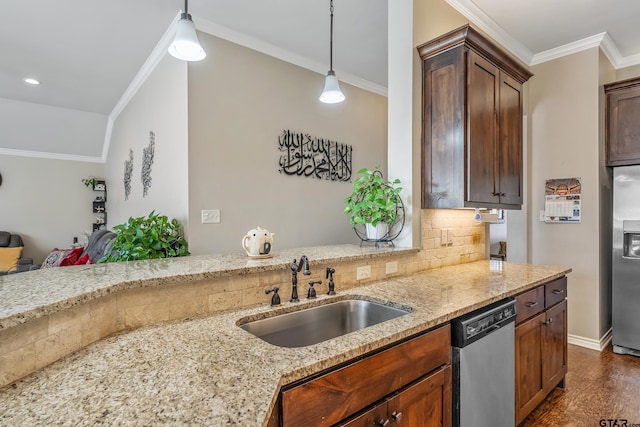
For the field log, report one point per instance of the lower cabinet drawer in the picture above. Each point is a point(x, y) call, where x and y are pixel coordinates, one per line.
point(336, 395)
point(529, 304)
point(555, 291)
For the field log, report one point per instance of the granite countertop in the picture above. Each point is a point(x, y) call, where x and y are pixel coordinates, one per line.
point(30, 295)
point(210, 372)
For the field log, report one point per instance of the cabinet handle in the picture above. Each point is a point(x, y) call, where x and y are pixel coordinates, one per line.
point(549, 320)
point(383, 423)
point(396, 416)
point(531, 304)
point(557, 291)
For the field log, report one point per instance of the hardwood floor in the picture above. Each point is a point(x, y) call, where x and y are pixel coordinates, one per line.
point(601, 387)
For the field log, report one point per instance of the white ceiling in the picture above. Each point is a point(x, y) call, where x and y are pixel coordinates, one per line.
point(87, 52)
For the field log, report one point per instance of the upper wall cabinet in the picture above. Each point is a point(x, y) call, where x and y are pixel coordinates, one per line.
point(472, 123)
point(622, 124)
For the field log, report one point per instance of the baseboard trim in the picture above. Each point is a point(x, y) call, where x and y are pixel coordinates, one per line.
point(592, 344)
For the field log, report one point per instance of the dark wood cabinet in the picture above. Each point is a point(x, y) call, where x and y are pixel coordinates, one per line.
point(541, 344)
point(472, 123)
point(423, 404)
point(622, 124)
point(405, 383)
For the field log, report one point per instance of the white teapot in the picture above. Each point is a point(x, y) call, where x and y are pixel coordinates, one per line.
point(258, 242)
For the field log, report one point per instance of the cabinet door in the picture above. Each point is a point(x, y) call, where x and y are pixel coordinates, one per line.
point(443, 131)
point(510, 142)
point(482, 107)
point(425, 404)
point(623, 131)
point(554, 346)
point(529, 384)
point(338, 394)
point(376, 416)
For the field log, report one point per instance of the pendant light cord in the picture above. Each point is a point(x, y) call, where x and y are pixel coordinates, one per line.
point(331, 39)
point(186, 6)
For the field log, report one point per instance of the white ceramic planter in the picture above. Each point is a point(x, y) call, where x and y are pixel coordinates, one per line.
point(378, 232)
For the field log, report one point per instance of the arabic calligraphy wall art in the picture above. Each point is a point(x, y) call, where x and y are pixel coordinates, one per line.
point(305, 155)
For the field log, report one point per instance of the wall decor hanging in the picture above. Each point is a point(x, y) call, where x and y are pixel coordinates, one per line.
point(128, 171)
point(303, 154)
point(147, 161)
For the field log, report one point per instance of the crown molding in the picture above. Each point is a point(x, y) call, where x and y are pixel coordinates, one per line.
point(570, 48)
point(615, 57)
point(51, 156)
point(489, 26)
point(493, 30)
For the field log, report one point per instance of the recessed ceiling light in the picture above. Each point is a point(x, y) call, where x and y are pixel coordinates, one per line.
point(31, 81)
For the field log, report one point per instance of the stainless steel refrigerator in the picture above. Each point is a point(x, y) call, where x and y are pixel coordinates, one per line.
point(626, 260)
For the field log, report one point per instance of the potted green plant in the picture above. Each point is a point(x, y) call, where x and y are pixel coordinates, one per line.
point(373, 202)
point(90, 181)
point(150, 237)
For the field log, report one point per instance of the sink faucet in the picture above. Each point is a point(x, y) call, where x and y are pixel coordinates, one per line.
point(295, 268)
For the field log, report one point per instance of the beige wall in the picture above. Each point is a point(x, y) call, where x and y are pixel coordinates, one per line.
point(240, 101)
point(45, 201)
point(160, 105)
point(565, 140)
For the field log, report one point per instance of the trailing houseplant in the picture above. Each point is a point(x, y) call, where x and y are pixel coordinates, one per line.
point(374, 200)
point(150, 237)
point(90, 181)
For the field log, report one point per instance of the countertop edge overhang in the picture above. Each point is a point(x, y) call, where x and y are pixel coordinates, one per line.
point(34, 294)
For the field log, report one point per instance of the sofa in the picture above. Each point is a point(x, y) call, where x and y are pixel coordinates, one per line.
point(11, 260)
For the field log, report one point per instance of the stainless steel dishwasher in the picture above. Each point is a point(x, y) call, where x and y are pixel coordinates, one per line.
point(483, 353)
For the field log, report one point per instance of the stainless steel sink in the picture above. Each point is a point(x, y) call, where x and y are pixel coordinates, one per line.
point(313, 325)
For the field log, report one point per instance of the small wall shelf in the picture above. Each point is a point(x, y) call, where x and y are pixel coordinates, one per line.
point(100, 206)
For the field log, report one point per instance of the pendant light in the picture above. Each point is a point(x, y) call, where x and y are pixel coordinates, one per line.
point(331, 93)
point(186, 46)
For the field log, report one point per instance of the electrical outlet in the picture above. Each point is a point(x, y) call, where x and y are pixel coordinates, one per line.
point(449, 236)
point(541, 216)
point(363, 272)
point(391, 267)
point(210, 216)
point(443, 237)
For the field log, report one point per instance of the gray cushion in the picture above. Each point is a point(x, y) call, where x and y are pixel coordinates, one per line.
point(5, 238)
point(8, 240)
point(99, 243)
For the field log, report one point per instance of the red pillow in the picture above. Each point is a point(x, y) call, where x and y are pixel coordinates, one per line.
point(84, 259)
point(72, 257)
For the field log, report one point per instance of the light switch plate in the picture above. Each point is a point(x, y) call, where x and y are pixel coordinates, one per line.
point(449, 236)
point(541, 216)
point(210, 216)
point(443, 237)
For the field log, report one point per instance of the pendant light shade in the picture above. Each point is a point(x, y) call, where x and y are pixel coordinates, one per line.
point(186, 45)
point(331, 93)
